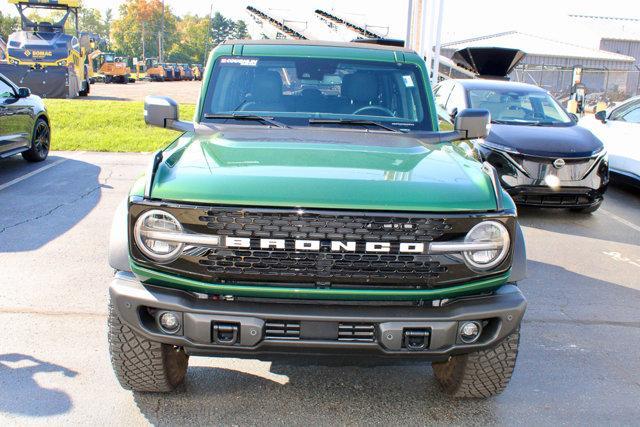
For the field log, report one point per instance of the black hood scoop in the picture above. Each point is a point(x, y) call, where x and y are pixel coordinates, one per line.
point(489, 62)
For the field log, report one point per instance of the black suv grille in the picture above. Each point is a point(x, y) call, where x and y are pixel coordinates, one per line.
point(324, 267)
point(306, 266)
point(290, 225)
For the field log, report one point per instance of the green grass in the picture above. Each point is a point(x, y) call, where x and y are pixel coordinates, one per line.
point(106, 126)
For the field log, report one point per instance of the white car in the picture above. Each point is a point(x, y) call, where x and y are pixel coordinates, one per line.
point(619, 129)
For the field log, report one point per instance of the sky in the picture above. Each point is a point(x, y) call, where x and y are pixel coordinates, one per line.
point(461, 19)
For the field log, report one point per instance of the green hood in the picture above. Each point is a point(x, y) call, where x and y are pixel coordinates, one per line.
point(320, 168)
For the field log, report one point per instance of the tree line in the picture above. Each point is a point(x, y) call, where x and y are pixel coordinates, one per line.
point(140, 25)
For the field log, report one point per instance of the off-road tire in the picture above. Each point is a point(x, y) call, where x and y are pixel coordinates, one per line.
point(481, 374)
point(588, 209)
point(141, 364)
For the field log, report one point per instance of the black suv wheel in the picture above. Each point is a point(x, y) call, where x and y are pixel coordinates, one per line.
point(40, 142)
point(480, 374)
point(141, 364)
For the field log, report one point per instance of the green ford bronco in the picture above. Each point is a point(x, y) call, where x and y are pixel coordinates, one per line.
point(313, 208)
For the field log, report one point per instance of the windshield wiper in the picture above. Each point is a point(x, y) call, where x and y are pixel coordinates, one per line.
point(263, 119)
point(519, 122)
point(348, 122)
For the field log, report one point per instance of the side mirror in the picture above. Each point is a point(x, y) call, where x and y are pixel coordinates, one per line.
point(453, 113)
point(162, 111)
point(24, 92)
point(473, 123)
point(602, 116)
point(574, 117)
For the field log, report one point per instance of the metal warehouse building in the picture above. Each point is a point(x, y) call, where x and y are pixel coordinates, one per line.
point(622, 46)
point(550, 64)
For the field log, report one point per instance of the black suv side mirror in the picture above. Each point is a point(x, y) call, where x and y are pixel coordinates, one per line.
point(473, 123)
point(574, 117)
point(24, 92)
point(602, 116)
point(162, 111)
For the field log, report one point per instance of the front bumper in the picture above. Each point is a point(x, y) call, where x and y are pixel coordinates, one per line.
point(564, 197)
point(534, 181)
point(265, 330)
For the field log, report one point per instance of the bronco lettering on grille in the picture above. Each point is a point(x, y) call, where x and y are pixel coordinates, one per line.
point(330, 245)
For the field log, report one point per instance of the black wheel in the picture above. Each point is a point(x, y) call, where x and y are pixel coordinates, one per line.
point(588, 209)
point(86, 86)
point(481, 374)
point(141, 364)
point(108, 79)
point(40, 142)
point(86, 90)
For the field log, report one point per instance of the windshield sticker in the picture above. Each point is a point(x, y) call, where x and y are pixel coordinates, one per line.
point(408, 81)
point(245, 62)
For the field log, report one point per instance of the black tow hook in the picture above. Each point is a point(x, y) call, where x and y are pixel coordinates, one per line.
point(225, 333)
point(415, 339)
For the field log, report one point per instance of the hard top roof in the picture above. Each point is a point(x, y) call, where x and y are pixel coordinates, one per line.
point(293, 42)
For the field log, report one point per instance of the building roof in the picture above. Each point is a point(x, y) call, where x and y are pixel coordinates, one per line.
point(537, 46)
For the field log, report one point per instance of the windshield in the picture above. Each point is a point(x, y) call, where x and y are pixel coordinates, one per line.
point(294, 90)
point(518, 107)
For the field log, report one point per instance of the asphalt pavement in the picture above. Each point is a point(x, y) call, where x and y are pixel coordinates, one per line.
point(579, 355)
point(186, 92)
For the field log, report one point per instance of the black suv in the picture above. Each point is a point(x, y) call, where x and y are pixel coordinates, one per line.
point(24, 124)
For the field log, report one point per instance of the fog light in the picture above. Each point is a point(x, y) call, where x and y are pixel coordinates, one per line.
point(170, 322)
point(469, 332)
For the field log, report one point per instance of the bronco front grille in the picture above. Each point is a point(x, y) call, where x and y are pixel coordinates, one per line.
point(305, 266)
point(324, 267)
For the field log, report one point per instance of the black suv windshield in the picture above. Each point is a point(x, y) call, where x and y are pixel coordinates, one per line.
point(295, 90)
point(519, 107)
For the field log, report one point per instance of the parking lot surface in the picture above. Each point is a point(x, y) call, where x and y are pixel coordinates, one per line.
point(578, 361)
point(183, 92)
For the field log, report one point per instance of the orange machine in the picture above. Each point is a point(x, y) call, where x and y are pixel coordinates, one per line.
point(112, 68)
point(155, 71)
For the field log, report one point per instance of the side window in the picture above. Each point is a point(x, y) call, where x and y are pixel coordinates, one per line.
point(441, 94)
point(620, 112)
point(632, 116)
point(456, 100)
point(6, 91)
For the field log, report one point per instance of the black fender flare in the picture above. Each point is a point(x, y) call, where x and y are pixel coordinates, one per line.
point(119, 239)
point(519, 264)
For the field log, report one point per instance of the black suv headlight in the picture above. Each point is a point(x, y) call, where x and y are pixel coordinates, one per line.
point(157, 234)
point(488, 244)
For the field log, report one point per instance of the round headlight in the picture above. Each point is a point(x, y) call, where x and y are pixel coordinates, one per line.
point(148, 235)
point(496, 238)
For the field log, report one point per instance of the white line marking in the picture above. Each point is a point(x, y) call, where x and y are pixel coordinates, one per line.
point(620, 220)
point(30, 174)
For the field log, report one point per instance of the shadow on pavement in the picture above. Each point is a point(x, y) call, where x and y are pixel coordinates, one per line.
point(309, 395)
point(22, 395)
point(44, 206)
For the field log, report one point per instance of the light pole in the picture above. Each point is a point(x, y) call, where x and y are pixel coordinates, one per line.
point(161, 37)
point(208, 37)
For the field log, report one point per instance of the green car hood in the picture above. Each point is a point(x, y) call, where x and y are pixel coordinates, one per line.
point(320, 168)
